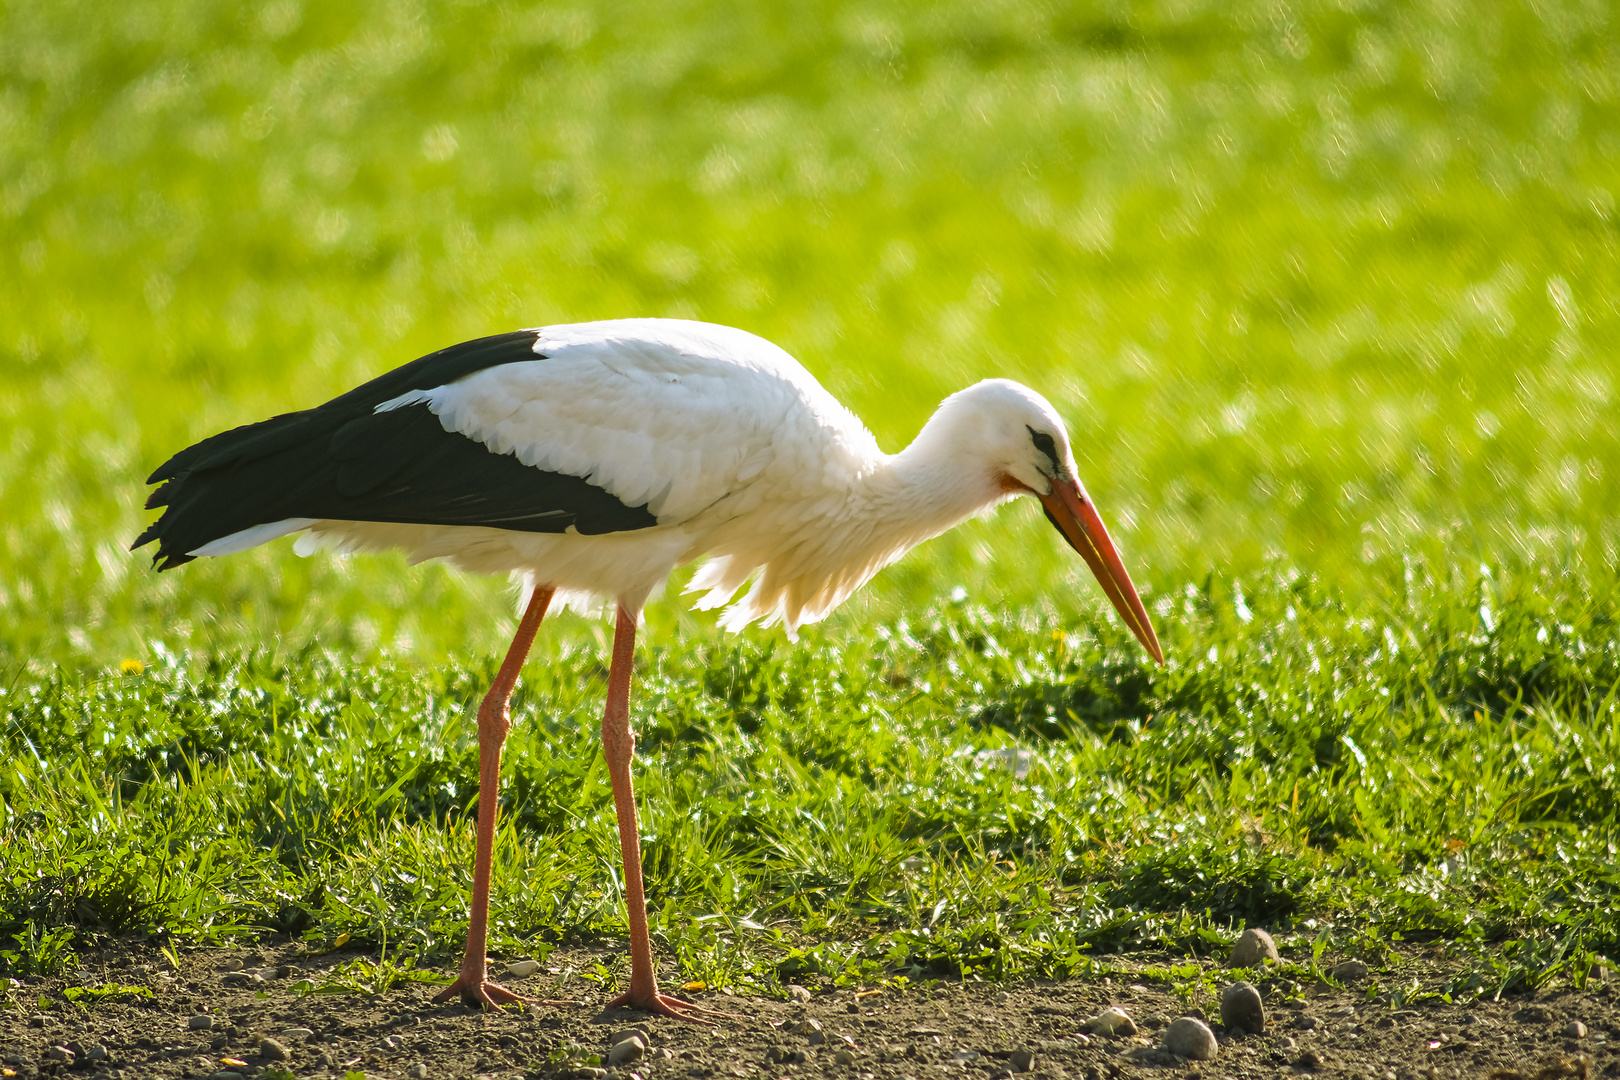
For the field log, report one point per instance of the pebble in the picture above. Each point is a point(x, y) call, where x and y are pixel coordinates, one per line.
point(1021, 1060)
point(298, 1033)
point(1575, 1029)
point(392, 1042)
point(1349, 971)
point(1306, 1023)
point(1112, 1021)
point(522, 969)
point(798, 993)
point(95, 1053)
point(627, 1050)
point(200, 1022)
point(1241, 1008)
point(1310, 1059)
point(844, 1056)
point(59, 1053)
point(630, 1033)
point(417, 1072)
point(1253, 949)
point(1190, 1037)
point(270, 1048)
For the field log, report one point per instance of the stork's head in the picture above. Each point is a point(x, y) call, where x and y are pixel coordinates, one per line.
point(1016, 441)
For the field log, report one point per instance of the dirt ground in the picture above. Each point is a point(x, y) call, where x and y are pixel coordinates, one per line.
point(260, 1025)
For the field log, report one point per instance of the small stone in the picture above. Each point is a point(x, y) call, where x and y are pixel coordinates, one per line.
point(1310, 1059)
point(298, 1033)
point(1288, 1043)
point(1021, 1061)
point(231, 963)
point(417, 1072)
point(1190, 1037)
point(522, 969)
point(630, 1033)
point(59, 1053)
point(95, 1053)
point(1254, 948)
point(1349, 971)
point(272, 1049)
point(627, 1050)
point(1111, 1021)
point(798, 993)
point(392, 1042)
point(844, 1056)
point(1575, 1029)
point(1306, 1023)
point(813, 1033)
point(1241, 1008)
point(200, 1022)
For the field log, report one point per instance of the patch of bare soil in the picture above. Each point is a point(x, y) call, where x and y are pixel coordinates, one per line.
point(257, 1025)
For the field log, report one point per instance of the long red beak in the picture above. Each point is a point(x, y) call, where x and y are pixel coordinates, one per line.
point(1076, 518)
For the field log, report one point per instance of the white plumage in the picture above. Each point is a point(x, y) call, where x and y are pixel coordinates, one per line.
point(735, 448)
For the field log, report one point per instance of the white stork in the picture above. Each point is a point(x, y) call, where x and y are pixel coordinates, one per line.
point(591, 460)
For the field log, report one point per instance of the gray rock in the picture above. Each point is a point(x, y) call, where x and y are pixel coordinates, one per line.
point(522, 969)
point(797, 993)
point(1190, 1037)
point(1306, 1023)
point(1241, 1008)
point(1254, 948)
point(1349, 971)
point(844, 1056)
point(1575, 1029)
point(95, 1053)
point(1310, 1059)
point(417, 1072)
point(200, 1022)
point(59, 1053)
point(627, 1050)
point(630, 1033)
point(271, 1049)
point(1111, 1021)
point(298, 1033)
point(1021, 1061)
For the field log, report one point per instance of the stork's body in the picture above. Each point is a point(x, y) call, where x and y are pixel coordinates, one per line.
point(593, 459)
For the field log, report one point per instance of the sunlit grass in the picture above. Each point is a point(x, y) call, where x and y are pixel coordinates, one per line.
point(1327, 294)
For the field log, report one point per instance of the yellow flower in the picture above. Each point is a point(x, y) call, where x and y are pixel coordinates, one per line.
point(132, 667)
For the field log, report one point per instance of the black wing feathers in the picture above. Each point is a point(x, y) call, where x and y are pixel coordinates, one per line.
point(345, 461)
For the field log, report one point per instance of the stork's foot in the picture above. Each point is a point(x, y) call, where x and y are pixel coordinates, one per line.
point(665, 1005)
point(478, 992)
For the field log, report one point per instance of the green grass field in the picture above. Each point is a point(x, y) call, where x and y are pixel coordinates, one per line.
point(1327, 292)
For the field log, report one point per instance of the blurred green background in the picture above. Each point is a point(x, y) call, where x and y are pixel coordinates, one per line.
point(1326, 287)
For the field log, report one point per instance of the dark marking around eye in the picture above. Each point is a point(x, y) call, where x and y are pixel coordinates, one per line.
point(1043, 442)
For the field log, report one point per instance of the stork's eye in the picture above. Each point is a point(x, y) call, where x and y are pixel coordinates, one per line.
point(1045, 444)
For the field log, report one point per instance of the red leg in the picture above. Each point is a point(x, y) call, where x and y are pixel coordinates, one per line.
point(619, 747)
point(493, 723)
